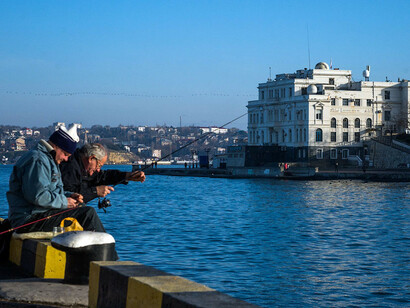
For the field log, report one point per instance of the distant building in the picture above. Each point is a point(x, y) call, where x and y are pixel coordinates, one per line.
point(156, 153)
point(213, 129)
point(20, 144)
point(322, 115)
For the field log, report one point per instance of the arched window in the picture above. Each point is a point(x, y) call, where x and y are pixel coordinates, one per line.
point(333, 123)
point(319, 135)
point(345, 123)
point(357, 123)
point(369, 123)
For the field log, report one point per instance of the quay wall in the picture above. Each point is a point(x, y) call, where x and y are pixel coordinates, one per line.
point(385, 156)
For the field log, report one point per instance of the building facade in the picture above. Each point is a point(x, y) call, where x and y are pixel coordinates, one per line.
point(321, 115)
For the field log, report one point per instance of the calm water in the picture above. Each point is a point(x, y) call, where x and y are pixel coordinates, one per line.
point(272, 243)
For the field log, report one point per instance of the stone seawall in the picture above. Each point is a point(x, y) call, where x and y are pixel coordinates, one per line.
point(385, 156)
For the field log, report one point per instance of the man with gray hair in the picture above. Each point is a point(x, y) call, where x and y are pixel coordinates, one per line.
point(82, 173)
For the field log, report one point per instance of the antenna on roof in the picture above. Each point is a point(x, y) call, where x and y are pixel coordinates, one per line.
point(270, 74)
point(307, 29)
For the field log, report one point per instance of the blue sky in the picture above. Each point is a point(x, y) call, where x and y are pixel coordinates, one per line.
point(159, 62)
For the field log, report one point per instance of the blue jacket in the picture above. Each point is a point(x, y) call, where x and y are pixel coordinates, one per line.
point(35, 185)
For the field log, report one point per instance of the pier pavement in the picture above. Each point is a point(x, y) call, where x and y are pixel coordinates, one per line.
point(18, 289)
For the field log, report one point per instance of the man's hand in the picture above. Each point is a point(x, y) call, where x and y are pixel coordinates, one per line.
point(137, 176)
point(74, 200)
point(104, 190)
point(71, 202)
point(78, 197)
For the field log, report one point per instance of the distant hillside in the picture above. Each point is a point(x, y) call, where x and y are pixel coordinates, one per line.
point(120, 158)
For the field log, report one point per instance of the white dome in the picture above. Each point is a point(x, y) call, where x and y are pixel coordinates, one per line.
point(312, 89)
point(322, 66)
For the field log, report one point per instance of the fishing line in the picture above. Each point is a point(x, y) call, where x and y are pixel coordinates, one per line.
point(213, 131)
point(41, 219)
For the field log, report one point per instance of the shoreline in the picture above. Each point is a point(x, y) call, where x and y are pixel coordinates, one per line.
point(378, 175)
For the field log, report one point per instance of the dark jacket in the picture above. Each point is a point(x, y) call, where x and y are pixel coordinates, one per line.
point(76, 179)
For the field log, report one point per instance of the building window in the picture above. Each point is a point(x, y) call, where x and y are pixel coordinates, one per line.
point(276, 93)
point(386, 94)
point(290, 135)
point(369, 103)
point(357, 102)
point(304, 136)
point(345, 137)
point(333, 153)
point(270, 94)
point(304, 91)
point(262, 94)
point(369, 123)
point(333, 123)
point(290, 92)
point(345, 123)
point(282, 92)
point(319, 153)
point(357, 123)
point(345, 102)
point(333, 136)
point(262, 137)
point(387, 115)
point(319, 135)
point(319, 113)
point(345, 153)
point(331, 81)
point(357, 137)
point(333, 102)
point(270, 115)
point(261, 117)
point(283, 135)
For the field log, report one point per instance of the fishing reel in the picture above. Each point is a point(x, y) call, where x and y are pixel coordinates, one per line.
point(103, 204)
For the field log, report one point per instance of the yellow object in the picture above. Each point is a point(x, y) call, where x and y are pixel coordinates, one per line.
point(74, 226)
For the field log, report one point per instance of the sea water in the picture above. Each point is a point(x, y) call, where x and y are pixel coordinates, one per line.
point(270, 242)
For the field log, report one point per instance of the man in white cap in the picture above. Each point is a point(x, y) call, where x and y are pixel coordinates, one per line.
point(36, 189)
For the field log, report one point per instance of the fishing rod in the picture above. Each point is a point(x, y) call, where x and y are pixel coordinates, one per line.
point(193, 141)
point(41, 219)
point(105, 202)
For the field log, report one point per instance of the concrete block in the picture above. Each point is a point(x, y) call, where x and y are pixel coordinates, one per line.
point(130, 284)
point(37, 257)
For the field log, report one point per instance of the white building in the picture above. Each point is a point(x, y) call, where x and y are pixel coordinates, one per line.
point(322, 114)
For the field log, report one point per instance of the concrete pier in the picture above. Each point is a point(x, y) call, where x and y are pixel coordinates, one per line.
point(34, 277)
